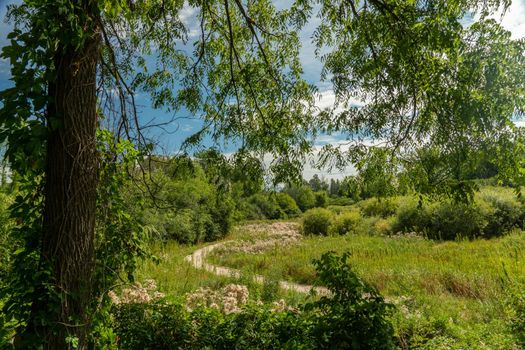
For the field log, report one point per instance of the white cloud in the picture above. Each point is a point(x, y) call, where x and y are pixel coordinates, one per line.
point(514, 19)
point(328, 100)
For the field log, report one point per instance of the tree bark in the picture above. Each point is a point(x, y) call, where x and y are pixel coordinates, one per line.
point(70, 194)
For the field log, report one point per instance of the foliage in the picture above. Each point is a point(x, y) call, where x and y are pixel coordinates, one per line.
point(382, 207)
point(354, 317)
point(223, 79)
point(418, 73)
point(376, 174)
point(303, 196)
point(340, 201)
point(449, 294)
point(317, 221)
point(317, 184)
point(287, 205)
point(346, 222)
point(277, 205)
point(493, 212)
point(350, 187)
point(168, 326)
point(321, 199)
point(188, 205)
point(119, 236)
point(6, 241)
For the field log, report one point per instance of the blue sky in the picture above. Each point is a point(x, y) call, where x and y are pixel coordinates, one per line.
point(514, 21)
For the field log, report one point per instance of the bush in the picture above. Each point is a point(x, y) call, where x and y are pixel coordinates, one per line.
point(171, 326)
point(195, 210)
point(493, 212)
point(321, 199)
point(302, 195)
point(453, 220)
point(385, 226)
point(317, 221)
point(287, 205)
point(441, 220)
point(273, 206)
point(346, 222)
point(355, 316)
point(507, 213)
point(338, 209)
point(340, 201)
point(383, 207)
point(411, 217)
point(267, 206)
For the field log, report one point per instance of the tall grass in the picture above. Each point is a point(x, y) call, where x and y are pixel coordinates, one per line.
point(176, 277)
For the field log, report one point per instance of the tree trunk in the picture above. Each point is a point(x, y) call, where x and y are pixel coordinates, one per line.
point(70, 194)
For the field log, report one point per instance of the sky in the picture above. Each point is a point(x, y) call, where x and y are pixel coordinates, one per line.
point(513, 20)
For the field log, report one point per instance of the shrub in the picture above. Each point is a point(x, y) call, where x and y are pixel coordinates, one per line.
point(385, 226)
point(341, 201)
point(274, 206)
point(321, 199)
point(507, 210)
point(191, 209)
point(287, 205)
point(247, 210)
point(382, 207)
point(179, 226)
point(493, 212)
point(452, 220)
point(317, 221)
point(171, 326)
point(411, 217)
point(355, 316)
point(338, 209)
point(220, 219)
point(302, 195)
point(345, 222)
point(267, 206)
point(441, 220)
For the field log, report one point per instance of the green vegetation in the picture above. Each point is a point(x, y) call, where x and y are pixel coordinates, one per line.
point(445, 292)
point(354, 316)
point(426, 103)
point(317, 221)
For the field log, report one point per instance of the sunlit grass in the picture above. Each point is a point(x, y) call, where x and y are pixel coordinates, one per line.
point(176, 277)
point(447, 291)
point(397, 265)
point(465, 281)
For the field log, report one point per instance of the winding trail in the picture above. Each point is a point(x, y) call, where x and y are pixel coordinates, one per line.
point(198, 260)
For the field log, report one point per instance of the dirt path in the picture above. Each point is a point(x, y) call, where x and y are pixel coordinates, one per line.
point(198, 260)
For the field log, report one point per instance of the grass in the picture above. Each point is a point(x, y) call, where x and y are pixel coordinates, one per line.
point(460, 286)
point(399, 265)
point(176, 277)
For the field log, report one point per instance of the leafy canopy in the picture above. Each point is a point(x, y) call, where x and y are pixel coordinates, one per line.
point(426, 79)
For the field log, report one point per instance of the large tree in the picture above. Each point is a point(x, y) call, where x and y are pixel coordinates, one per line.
point(440, 75)
point(77, 65)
